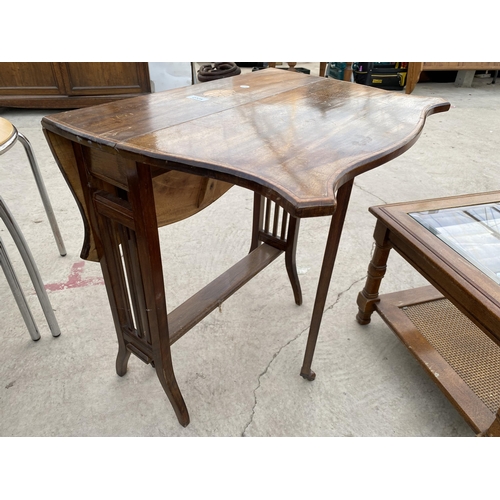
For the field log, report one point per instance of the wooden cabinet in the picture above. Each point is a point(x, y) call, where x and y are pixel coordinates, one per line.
point(70, 85)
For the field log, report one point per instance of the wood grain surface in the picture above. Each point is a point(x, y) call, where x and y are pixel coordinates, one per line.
point(292, 137)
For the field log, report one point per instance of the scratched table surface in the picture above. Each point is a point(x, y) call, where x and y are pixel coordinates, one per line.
point(294, 138)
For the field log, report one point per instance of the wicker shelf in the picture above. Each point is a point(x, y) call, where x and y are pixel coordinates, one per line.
point(463, 361)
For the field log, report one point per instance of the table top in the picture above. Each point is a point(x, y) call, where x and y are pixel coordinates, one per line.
point(292, 137)
point(450, 258)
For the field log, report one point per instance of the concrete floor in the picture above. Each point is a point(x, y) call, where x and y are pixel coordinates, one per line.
point(239, 368)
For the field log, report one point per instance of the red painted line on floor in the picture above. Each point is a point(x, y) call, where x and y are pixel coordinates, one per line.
point(74, 279)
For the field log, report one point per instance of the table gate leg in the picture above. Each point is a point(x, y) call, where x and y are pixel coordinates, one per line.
point(128, 246)
point(141, 198)
point(376, 271)
point(332, 244)
point(115, 281)
point(107, 246)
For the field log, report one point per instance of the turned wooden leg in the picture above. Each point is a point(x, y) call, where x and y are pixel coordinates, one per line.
point(376, 271)
point(332, 245)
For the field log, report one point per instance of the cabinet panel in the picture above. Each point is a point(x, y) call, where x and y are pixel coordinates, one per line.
point(39, 78)
point(96, 78)
point(60, 85)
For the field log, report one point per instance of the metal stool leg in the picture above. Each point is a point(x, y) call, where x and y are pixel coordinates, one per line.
point(29, 262)
point(43, 193)
point(13, 282)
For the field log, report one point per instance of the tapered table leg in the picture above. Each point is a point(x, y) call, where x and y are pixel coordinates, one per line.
point(332, 245)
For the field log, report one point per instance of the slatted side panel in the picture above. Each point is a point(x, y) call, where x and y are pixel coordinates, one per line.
point(275, 222)
point(130, 263)
point(124, 268)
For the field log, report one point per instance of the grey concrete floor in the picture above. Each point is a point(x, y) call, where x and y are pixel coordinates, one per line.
point(239, 368)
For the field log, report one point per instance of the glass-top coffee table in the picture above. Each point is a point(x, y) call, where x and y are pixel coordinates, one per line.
point(452, 327)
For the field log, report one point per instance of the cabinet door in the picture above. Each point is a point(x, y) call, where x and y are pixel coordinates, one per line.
point(31, 78)
point(106, 78)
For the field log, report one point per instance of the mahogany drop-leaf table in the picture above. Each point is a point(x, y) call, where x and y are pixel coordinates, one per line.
point(296, 141)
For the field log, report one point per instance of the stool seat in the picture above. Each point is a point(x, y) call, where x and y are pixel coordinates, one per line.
point(8, 135)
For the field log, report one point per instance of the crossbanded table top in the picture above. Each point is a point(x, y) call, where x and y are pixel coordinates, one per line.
point(292, 137)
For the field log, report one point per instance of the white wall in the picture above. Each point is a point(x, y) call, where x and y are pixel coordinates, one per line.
point(169, 75)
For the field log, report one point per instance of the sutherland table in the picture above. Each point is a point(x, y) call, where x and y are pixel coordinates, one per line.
point(452, 327)
point(297, 141)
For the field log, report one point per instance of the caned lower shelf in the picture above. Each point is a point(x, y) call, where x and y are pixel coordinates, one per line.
point(462, 360)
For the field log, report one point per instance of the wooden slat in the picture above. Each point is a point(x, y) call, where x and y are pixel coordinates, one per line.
point(115, 209)
point(276, 219)
point(273, 240)
point(202, 303)
point(134, 283)
point(137, 346)
point(284, 224)
point(268, 215)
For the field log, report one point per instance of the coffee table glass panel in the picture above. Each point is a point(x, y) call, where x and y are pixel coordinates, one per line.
point(472, 231)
